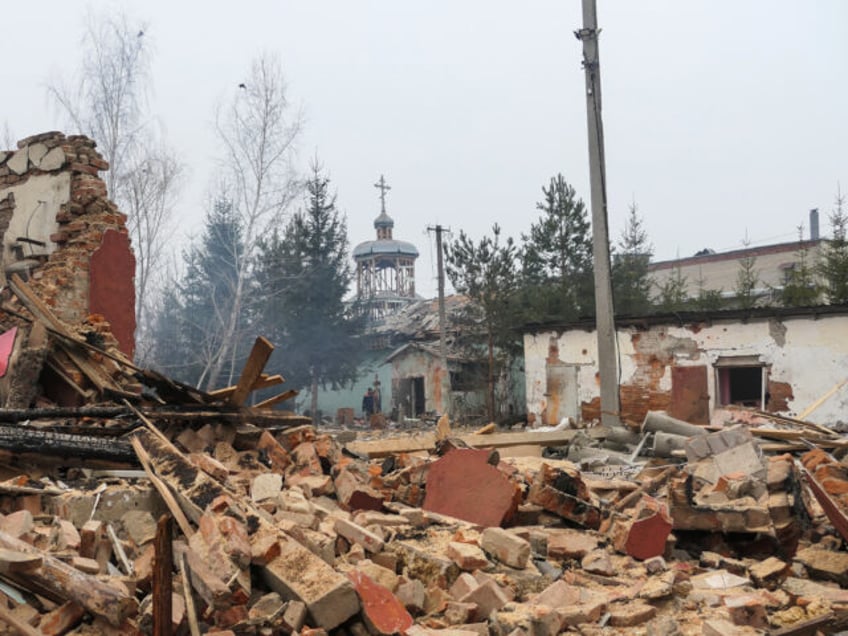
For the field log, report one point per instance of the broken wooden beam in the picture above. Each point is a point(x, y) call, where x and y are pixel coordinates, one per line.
point(277, 399)
point(163, 566)
point(66, 582)
point(256, 361)
point(427, 441)
point(20, 439)
point(264, 381)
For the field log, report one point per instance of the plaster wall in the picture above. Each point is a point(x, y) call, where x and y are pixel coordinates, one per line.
point(37, 202)
point(809, 354)
point(414, 363)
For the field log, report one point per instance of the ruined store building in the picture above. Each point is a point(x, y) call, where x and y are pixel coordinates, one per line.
point(61, 233)
point(695, 366)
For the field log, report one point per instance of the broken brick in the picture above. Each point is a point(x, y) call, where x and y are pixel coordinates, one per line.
point(383, 612)
point(462, 484)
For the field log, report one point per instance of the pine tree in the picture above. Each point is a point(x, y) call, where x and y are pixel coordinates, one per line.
point(557, 255)
point(801, 288)
point(833, 267)
point(707, 299)
point(747, 279)
point(305, 274)
point(196, 311)
point(672, 294)
point(485, 273)
point(630, 281)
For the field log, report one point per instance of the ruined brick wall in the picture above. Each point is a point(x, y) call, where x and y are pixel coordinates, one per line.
point(804, 356)
point(68, 236)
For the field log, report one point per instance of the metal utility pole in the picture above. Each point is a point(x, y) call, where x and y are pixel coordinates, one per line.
point(443, 347)
point(604, 313)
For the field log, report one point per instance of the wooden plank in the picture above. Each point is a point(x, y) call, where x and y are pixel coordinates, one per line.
point(191, 610)
point(66, 582)
point(426, 441)
point(277, 399)
point(265, 381)
point(162, 489)
point(163, 583)
point(256, 361)
point(19, 626)
point(824, 398)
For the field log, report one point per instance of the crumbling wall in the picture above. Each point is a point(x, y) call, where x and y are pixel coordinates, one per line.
point(65, 234)
point(804, 358)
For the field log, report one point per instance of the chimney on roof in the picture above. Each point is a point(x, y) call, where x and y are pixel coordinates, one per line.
point(814, 224)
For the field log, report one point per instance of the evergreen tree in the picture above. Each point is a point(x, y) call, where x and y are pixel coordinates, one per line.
point(196, 312)
point(171, 351)
point(557, 255)
point(801, 288)
point(747, 279)
point(631, 284)
point(305, 275)
point(672, 293)
point(485, 273)
point(833, 267)
point(707, 299)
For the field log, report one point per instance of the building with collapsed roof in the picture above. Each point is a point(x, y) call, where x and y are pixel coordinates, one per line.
point(695, 364)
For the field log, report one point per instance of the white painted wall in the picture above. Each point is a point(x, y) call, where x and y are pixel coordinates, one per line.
point(811, 355)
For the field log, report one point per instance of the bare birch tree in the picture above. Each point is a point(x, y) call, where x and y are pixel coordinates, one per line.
point(149, 190)
point(108, 101)
point(257, 131)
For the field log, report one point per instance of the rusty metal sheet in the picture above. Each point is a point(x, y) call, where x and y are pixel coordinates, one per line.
point(690, 398)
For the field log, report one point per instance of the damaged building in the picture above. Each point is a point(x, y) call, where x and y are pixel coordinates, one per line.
point(693, 365)
point(61, 233)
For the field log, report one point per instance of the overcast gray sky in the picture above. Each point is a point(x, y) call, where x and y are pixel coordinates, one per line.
point(720, 117)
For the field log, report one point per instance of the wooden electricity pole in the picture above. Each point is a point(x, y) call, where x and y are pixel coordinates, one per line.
point(443, 347)
point(604, 312)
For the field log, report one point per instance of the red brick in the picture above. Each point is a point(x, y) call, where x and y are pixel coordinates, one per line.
point(464, 485)
point(381, 609)
point(646, 536)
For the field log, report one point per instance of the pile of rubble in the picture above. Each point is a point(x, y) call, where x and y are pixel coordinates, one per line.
point(233, 529)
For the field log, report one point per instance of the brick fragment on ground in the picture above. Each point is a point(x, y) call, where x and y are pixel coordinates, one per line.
point(570, 544)
point(769, 573)
point(598, 562)
point(464, 485)
point(630, 614)
point(488, 597)
point(507, 547)
point(467, 556)
point(825, 564)
point(383, 612)
point(643, 535)
point(563, 492)
point(746, 609)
